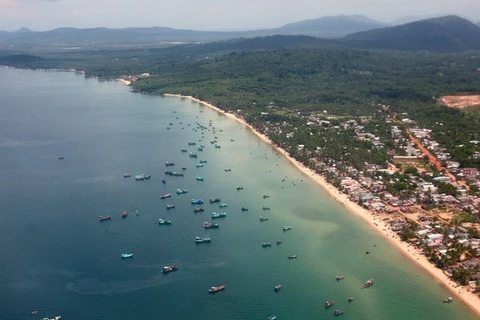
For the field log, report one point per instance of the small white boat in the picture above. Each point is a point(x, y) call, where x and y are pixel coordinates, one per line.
point(449, 299)
point(126, 255)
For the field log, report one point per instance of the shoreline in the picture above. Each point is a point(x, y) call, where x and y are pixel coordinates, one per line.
point(468, 298)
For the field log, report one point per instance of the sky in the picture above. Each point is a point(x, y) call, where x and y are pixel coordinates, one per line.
point(41, 15)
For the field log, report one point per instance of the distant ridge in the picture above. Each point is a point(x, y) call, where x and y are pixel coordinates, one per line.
point(444, 34)
point(333, 25)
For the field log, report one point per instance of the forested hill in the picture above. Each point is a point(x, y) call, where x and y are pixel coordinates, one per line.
point(445, 34)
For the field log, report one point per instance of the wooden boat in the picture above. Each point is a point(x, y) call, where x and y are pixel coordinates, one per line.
point(217, 289)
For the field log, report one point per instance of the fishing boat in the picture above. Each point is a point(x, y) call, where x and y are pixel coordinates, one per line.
point(244, 209)
point(200, 148)
point(266, 244)
point(448, 300)
point(337, 312)
point(168, 172)
point(201, 209)
point(214, 200)
point(165, 196)
point(191, 143)
point(124, 214)
point(339, 278)
point(140, 177)
point(266, 208)
point(286, 228)
point(209, 225)
point(217, 146)
point(127, 175)
point(199, 178)
point(265, 196)
point(54, 318)
point(279, 241)
point(170, 206)
point(203, 161)
point(368, 283)
point(202, 240)
point(164, 222)
point(227, 170)
point(104, 218)
point(222, 205)
point(277, 287)
point(199, 165)
point(184, 150)
point(272, 318)
point(218, 215)
point(168, 269)
point(329, 303)
point(263, 218)
point(180, 191)
point(197, 201)
point(239, 188)
point(61, 158)
point(177, 174)
point(350, 299)
point(192, 155)
point(292, 256)
point(184, 168)
point(169, 164)
point(126, 255)
point(216, 289)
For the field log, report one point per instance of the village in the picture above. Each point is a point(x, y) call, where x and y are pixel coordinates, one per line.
point(426, 197)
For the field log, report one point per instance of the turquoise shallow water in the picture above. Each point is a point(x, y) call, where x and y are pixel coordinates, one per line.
point(57, 257)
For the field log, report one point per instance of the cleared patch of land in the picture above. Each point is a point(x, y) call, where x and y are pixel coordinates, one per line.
point(461, 102)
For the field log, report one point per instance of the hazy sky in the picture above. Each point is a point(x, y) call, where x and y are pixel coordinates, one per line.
point(212, 14)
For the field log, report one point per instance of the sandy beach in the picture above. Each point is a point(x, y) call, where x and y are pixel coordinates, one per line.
point(376, 222)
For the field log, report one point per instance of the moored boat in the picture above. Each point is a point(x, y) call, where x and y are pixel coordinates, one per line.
point(266, 208)
point(292, 256)
point(214, 200)
point(170, 206)
point(197, 201)
point(184, 150)
point(265, 196)
point(201, 209)
point(126, 255)
point(190, 143)
point(218, 215)
point(279, 241)
point(448, 300)
point(239, 188)
point(216, 289)
point(192, 155)
point(266, 244)
point(169, 164)
point(203, 161)
point(338, 312)
point(329, 303)
point(165, 196)
point(350, 299)
point(164, 222)
point(180, 191)
point(272, 318)
point(199, 178)
point(263, 218)
point(209, 225)
point(244, 209)
point(177, 174)
point(277, 287)
point(222, 205)
point(202, 240)
point(168, 269)
point(140, 177)
point(227, 170)
point(199, 165)
point(124, 214)
point(286, 228)
point(339, 278)
point(127, 175)
point(104, 218)
point(368, 283)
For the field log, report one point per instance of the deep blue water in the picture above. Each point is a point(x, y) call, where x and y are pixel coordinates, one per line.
point(57, 258)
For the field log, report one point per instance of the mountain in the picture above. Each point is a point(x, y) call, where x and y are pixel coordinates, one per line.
point(333, 26)
point(444, 34)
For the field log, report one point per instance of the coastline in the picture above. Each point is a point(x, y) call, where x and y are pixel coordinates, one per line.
point(376, 222)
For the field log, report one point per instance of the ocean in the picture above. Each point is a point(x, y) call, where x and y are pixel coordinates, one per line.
point(59, 259)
